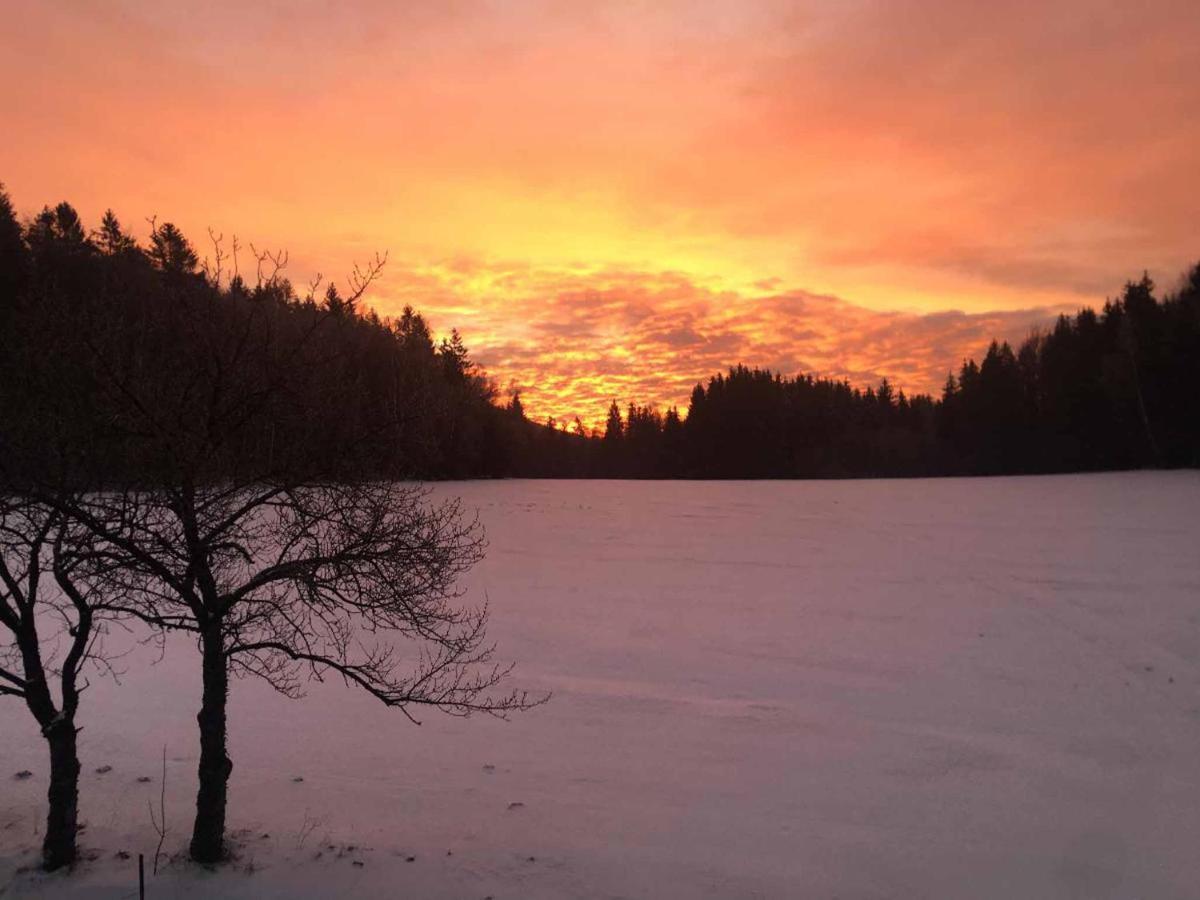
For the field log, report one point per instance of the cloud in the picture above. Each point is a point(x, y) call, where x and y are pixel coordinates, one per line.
point(620, 199)
point(1020, 145)
point(571, 341)
point(932, 154)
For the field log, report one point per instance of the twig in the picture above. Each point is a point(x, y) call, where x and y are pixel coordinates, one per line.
point(160, 824)
point(307, 827)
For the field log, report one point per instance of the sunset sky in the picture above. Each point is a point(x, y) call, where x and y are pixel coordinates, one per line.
point(618, 199)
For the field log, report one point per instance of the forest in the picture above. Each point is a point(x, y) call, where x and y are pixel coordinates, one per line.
point(97, 327)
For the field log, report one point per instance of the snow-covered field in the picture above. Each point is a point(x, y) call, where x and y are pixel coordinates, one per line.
point(864, 689)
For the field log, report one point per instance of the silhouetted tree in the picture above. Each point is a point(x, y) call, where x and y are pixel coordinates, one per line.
point(13, 256)
point(261, 550)
point(516, 407)
point(111, 239)
point(170, 251)
point(51, 626)
point(285, 580)
point(414, 333)
point(455, 358)
point(334, 304)
point(614, 428)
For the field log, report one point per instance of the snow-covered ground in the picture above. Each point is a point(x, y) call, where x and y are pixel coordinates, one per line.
point(863, 689)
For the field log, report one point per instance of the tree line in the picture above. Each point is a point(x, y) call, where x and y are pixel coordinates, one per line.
point(1100, 390)
point(1116, 389)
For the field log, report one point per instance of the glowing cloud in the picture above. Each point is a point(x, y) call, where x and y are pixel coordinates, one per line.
point(571, 341)
point(644, 192)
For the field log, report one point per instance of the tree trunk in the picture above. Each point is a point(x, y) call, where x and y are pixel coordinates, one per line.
point(58, 849)
point(208, 833)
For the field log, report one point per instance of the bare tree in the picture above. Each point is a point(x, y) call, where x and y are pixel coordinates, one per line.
point(355, 581)
point(52, 627)
point(247, 520)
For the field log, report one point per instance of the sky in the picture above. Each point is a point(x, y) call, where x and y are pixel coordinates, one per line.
point(616, 200)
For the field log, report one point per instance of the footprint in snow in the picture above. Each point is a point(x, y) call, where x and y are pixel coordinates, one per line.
point(104, 770)
point(22, 775)
point(516, 805)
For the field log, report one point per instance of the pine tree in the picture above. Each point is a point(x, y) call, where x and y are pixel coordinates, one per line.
point(516, 407)
point(455, 359)
point(334, 304)
point(614, 428)
point(57, 229)
point(171, 252)
point(111, 240)
point(413, 332)
point(14, 258)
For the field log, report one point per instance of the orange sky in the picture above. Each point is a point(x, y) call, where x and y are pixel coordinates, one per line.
point(615, 200)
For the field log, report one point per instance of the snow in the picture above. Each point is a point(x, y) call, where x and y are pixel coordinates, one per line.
point(856, 689)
